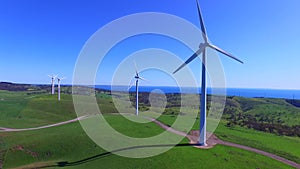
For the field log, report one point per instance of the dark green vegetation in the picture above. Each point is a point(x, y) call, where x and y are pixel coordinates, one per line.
point(276, 116)
point(68, 145)
point(21, 87)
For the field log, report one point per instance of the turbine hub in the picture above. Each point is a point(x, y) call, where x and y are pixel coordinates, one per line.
point(203, 45)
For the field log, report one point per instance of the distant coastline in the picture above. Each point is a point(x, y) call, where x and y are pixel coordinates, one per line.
point(240, 92)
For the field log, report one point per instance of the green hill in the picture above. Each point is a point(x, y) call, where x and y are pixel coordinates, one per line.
point(68, 145)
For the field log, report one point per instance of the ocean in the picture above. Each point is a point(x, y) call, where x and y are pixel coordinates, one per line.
point(242, 92)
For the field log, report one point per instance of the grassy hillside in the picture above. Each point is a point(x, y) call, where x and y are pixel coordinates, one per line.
point(276, 116)
point(68, 145)
point(49, 147)
point(270, 110)
point(19, 110)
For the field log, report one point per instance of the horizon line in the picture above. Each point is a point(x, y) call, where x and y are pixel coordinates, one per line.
point(122, 85)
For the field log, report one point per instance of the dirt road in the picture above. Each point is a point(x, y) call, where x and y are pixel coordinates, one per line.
point(2, 129)
point(213, 140)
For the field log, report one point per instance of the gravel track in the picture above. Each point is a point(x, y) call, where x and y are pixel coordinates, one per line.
point(213, 140)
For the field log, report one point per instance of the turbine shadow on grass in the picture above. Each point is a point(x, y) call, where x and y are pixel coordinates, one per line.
point(93, 158)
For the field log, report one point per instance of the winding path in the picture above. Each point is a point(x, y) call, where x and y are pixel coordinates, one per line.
point(2, 129)
point(213, 140)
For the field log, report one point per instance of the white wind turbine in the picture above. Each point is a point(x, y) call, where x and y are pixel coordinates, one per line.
point(58, 86)
point(52, 82)
point(137, 77)
point(202, 49)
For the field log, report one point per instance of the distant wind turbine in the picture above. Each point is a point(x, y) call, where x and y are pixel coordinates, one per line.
point(137, 77)
point(202, 49)
point(58, 86)
point(52, 79)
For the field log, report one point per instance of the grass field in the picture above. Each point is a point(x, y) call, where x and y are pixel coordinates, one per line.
point(270, 109)
point(69, 146)
point(281, 145)
point(18, 110)
point(51, 146)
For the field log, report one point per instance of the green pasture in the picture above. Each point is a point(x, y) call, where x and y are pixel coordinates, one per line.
point(69, 146)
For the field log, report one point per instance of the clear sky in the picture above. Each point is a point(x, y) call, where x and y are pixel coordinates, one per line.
point(38, 38)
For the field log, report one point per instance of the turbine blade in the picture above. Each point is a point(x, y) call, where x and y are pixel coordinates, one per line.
point(131, 84)
point(143, 79)
point(189, 60)
point(225, 53)
point(136, 69)
point(203, 29)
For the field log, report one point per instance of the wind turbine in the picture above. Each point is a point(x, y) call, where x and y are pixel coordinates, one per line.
point(52, 79)
point(137, 77)
point(202, 49)
point(58, 86)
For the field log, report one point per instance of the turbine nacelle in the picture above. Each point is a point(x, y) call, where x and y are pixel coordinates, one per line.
point(203, 45)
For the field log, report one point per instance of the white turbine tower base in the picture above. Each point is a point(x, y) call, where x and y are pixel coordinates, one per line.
point(202, 49)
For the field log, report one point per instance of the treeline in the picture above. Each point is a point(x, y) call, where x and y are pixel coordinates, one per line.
point(16, 87)
point(173, 101)
point(32, 89)
point(293, 102)
point(263, 123)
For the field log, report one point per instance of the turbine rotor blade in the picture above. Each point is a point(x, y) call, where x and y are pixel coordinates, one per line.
point(143, 79)
point(129, 87)
point(131, 84)
point(136, 69)
point(225, 53)
point(52, 76)
point(189, 60)
point(203, 29)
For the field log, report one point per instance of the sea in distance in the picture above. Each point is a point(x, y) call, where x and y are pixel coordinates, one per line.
point(241, 92)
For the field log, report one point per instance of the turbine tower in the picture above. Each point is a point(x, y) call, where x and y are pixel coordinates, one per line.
point(202, 49)
point(52, 83)
point(137, 77)
point(58, 86)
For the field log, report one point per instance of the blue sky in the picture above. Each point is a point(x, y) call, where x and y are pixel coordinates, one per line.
point(38, 38)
